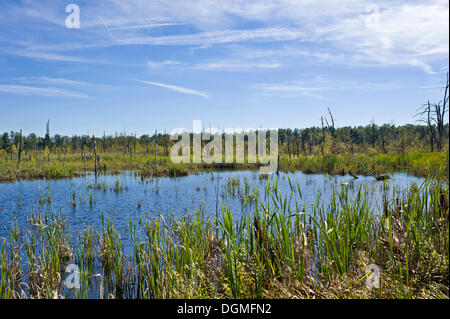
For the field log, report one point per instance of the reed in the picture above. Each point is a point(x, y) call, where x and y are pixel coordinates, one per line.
point(38, 166)
point(280, 249)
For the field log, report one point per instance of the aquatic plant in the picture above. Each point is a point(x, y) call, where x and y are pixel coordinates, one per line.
point(281, 249)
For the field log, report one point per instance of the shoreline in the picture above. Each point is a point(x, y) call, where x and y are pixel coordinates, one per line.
point(416, 164)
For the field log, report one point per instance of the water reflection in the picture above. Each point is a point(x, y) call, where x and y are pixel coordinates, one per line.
point(126, 196)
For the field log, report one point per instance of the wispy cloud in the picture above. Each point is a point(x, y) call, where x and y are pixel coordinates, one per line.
point(58, 81)
point(319, 87)
point(409, 33)
point(50, 56)
point(291, 90)
point(106, 27)
point(156, 65)
point(146, 26)
point(176, 88)
point(45, 79)
point(41, 91)
point(226, 65)
point(218, 65)
point(274, 34)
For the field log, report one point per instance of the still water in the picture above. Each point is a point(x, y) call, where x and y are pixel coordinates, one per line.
point(128, 196)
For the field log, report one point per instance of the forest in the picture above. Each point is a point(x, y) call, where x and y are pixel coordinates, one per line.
point(386, 139)
point(314, 150)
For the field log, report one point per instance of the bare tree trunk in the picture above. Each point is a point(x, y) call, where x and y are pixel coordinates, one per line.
point(20, 147)
point(373, 137)
point(95, 161)
point(165, 143)
point(288, 147)
point(156, 150)
point(431, 127)
point(383, 142)
point(323, 134)
point(84, 158)
point(440, 115)
point(332, 130)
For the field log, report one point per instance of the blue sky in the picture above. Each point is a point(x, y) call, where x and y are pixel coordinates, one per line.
point(142, 65)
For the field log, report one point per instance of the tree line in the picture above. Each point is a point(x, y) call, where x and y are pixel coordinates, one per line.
point(430, 135)
point(386, 138)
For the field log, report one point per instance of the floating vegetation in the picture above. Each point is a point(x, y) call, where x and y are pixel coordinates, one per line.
point(74, 198)
point(91, 198)
point(118, 186)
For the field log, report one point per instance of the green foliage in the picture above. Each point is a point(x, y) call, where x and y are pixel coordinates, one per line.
point(281, 250)
point(313, 150)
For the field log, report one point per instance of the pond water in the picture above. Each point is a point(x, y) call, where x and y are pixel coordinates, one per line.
point(127, 196)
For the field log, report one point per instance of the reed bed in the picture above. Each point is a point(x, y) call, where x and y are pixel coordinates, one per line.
point(54, 166)
point(280, 249)
point(419, 164)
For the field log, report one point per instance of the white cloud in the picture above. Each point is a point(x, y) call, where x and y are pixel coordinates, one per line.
point(176, 88)
point(49, 56)
point(41, 91)
point(231, 65)
point(218, 65)
point(409, 33)
point(41, 80)
point(291, 90)
point(320, 86)
point(57, 81)
point(146, 26)
point(274, 34)
point(156, 65)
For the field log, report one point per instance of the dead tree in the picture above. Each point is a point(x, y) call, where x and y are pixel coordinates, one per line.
point(19, 154)
point(439, 110)
point(156, 150)
point(95, 161)
point(288, 144)
point(84, 158)
point(166, 151)
point(331, 127)
point(433, 114)
point(381, 177)
point(323, 133)
point(293, 146)
point(373, 132)
point(425, 113)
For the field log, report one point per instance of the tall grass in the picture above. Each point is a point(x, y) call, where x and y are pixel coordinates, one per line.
point(421, 164)
point(281, 249)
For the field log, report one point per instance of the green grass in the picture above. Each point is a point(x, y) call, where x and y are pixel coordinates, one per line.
point(280, 250)
point(419, 164)
point(38, 166)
